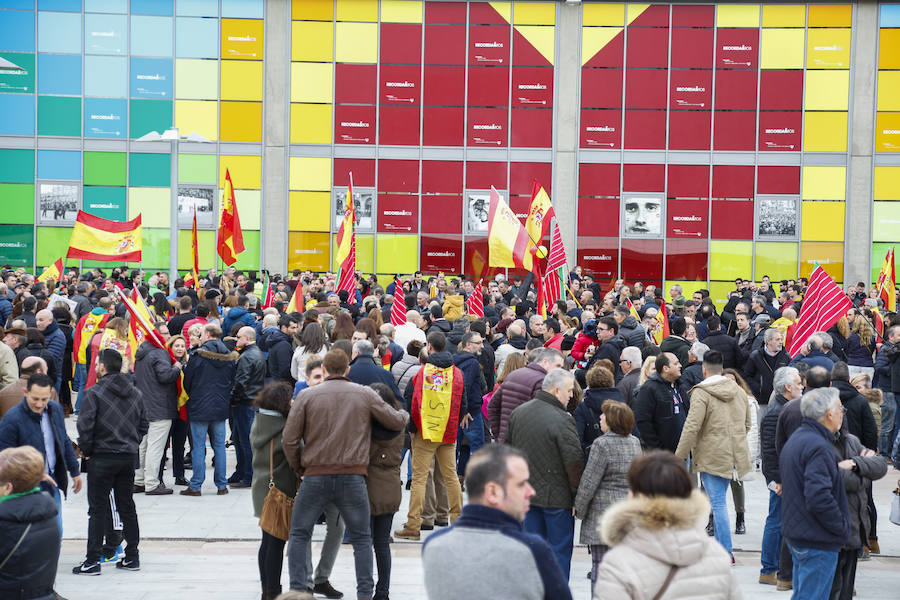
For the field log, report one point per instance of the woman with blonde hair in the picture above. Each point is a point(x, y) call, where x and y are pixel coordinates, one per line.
point(115, 336)
point(860, 348)
point(647, 369)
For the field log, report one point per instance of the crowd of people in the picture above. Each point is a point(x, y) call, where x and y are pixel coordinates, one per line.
point(541, 418)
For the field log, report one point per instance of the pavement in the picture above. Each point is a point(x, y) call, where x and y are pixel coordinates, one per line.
point(206, 547)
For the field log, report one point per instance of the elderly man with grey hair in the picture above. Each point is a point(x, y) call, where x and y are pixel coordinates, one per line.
point(815, 513)
point(515, 342)
point(55, 341)
point(543, 430)
point(630, 363)
point(366, 370)
point(692, 373)
point(812, 353)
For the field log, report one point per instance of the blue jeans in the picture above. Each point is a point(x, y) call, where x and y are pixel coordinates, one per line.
point(404, 453)
point(242, 419)
point(813, 572)
point(717, 489)
point(888, 414)
point(474, 434)
point(771, 540)
point(78, 381)
point(216, 430)
point(557, 526)
point(58, 497)
point(348, 493)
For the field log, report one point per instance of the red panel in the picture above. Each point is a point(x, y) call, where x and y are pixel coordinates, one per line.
point(522, 176)
point(443, 126)
point(399, 125)
point(601, 88)
point(487, 127)
point(734, 130)
point(599, 256)
point(488, 45)
point(354, 124)
point(532, 86)
point(401, 43)
point(526, 54)
point(483, 175)
point(688, 181)
point(475, 259)
point(781, 90)
point(601, 128)
point(400, 85)
point(398, 213)
point(363, 170)
point(483, 13)
point(445, 86)
point(687, 219)
point(531, 128)
point(689, 129)
point(442, 176)
point(445, 12)
point(778, 180)
point(442, 214)
point(598, 216)
point(732, 219)
point(732, 181)
point(655, 15)
point(611, 55)
point(521, 205)
point(398, 176)
point(440, 254)
point(687, 259)
point(692, 48)
point(645, 129)
point(646, 88)
point(690, 89)
point(488, 86)
point(355, 84)
point(693, 15)
point(736, 89)
point(737, 48)
point(644, 178)
point(445, 45)
point(780, 131)
point(648, 47)
point(598, 179)
point(642, 260)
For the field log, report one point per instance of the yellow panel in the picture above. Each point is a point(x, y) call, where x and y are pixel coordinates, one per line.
point(543, 39)
point(198, 116)
point(242, 80)
point(312, 82)
point(365, 253)
point(313, 10)
point(311, 123)
point(310, 173)
point(248, 202)
point(397, 253)
point(828, 49)
point(401, 11)
point(778, 260)
point(718, 291)
point(822, 221)
point(309, 211)
point(687, 285)
point(824, 183)
point(241, 121)
point(312, 41)
point(825, 132)
point(595, 39)
point(781, 49)
point(889, 49)
point(888, 90)
point(242, 39)
point(829, 255)
point(603, 14)
point(246, 171)
point(533, 13)
point(504, 9)
point(784, 15)
point(887, 132)
point(887, 183)
point(634, 11)
point(153, 204)
point(830, 15)
point(308, 251)
point(827, 90)
point(196, 79)
point(357, 43)
point(730, 259)
point(737, 15)
point(206, 248)
point(357, 10)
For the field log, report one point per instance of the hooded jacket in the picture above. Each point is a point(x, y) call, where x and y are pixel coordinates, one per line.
point(281, 351)
point(467, 363)
point(458, 405)
point(207, 380)
point(236, 314)
point(453, 307)
point(249, 375)
point(31, 569)
point(678, 346)
point(513, 344)
point(587, 414)
point(732, 355)
point(632, 333)
point(518, 388)
point(155, 377)
point(655, 413)
point(55, 341)
point(858, 415)
point(404, 370)
point(112, 419)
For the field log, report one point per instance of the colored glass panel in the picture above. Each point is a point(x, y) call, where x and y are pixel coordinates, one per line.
point(781, 89)
point(21, 80)
point(824, 183)
point(887, 132)
point(886, 221)
point(312, 82)
point(356, 84)
point(197, 8)
point(828, 49)
point(311, 123)
point(737, 48)
point(781, 49)
point(647, 47)
point(16, 166)
point(196, 79)
point(365, 253)
point(598, 256)
point(309, 173)
point(440, 254)
point(645, 129)
point(241, 80)
point(642, 260)
point(830, 15)
point(16, 114)
point(887, 183)
point(313, 10)
point(105, 34)
point(740, 15)
point(357, 10)
point(397, 253)
point(822, 221)
point(246, 171)
point(778, 260)
point(354, 124)
point(889, 49)
point(312, 41)
point(149, 170)
point(241, 121)
point(51, 243)
point(105, 202)
point(59, 74)
point(19, 203)
point(17, 31)
point(308, 251)
point(603, 14)
point(153, 204)
point(827, 90)
point(151, 36)
point(106, 76)
point(58, 32)
point(198, 116)
point(879, 251)
point(784, 15)
point(399, 125)
point(732, 219)
point(730, 260)
point(149, 115)
point(106, 6)
point(151, 77)
point(206, 248)
point(689, 129)
point(401, 11)
point(888, 90)
point(687, 259)
point(196, 38)
point(242, 39)
point(197, 168)
point(105, 168)
point(487, 127)
point(59, 116)
point(356, 42)
point(401, 43)
point(829, 255)
point(825, 132)
point(442, 214)
point(248, 9)
point(734, 130)
point(152, 7)
point(309, 211)
point(780, 131)
point(602, 46)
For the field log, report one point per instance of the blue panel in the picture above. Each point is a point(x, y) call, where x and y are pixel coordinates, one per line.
point(106, 34)
point(59, 32)
point(25, 4)
point(16, 114)
point(17, 31)
point(197, 8)
point(105, 117)
point(243, 9)
point(106, 6)
point(152, 7)
point(59, 164)
point(151, 36)
point(59, 74)
point(890, 15)
point(64, 5)
point(196, 38)
point(106, 76)
point(151, 78)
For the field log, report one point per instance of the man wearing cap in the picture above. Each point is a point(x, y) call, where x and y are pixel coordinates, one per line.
point(760, 323)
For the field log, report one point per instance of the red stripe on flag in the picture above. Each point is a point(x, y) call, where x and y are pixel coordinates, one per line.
point(475, 302)
point(398, 307)
point(823, 304)
point(107, 225)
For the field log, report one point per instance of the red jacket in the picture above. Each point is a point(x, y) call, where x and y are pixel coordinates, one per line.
point(581, 344)
point(456, 397)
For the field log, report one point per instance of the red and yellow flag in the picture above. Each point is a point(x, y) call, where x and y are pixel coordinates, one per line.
point(86, 328)
point(195, 250)
point(475, 302)
point(296, 303)
point(508, 242)
point(887, 282)
point(95, 238)
point(661, 331)
point(539, 215)
point(53, 272)
point(231, 238)
point(346, 242)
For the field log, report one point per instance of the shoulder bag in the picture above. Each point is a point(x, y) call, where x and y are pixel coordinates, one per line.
point(277, 507)
point(665, 585)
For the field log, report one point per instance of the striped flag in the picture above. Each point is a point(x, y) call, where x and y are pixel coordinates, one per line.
point(53, 272)
point(398, 308)
point(557, 273)
point(346, 241)
point(268, 292)
point(475, 302)
point(823, 304)
point(508, 242)
point(96, 238)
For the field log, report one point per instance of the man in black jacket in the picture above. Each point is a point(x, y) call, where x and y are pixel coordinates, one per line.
point(857, 413)
point(661, 406)
point(471, 426)
point(281, 350)
point(364, 370)
point(717, 339)
point(761, 365)
point(249, 377)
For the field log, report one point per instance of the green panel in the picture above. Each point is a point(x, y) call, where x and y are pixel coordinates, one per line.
point(879, 251)
point(197, 168)
point(106, 202)
point(18, 202)
point(16, 245)
point(149, 170)
point(17, 166)
point(206, 249)
point(249, 258)
point(155, 249)
point(18, 82)
point(150, 115)
point(105, 168)
point(59, 115)
point(52, 243)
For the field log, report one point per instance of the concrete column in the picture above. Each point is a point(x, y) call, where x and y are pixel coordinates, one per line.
point(568, 70)
point(858, 226)
point(274, 209)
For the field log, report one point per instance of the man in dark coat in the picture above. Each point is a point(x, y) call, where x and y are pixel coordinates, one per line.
point(858, 415)
point(813, 354)
point(249, 378)
point(486, 356)
point(519, 388)
point(717, 339)
point(692, 374)
point(471, 425)
point(281, 350)
point(54, 340)
point(675, 343)
point(238, 314)
point(661, 406)
point(759, 370)
point(631, 332)
point(364, 370)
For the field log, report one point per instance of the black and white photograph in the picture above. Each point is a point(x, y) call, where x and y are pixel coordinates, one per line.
point(642, 215)
point(201, 197)
point(478, 207)
point(58, 203)
point(777, 217)
point(363, 204)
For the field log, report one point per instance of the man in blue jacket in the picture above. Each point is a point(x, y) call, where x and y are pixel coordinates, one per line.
point(815, 515)
point(238, 314)
point(55, 341)
point(471, 425)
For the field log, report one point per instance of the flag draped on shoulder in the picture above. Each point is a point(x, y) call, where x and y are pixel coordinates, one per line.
point(230, 235)
point(87, 326)
point(887, 282)
point(475, 302)
point(508, 242)
point(346, 242)
point(539, 214)
point(398, 306)
point(823, 304)
point(53, 272)
point(95, 238)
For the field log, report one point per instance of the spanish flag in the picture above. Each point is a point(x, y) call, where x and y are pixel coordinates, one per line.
point(346, 241)
point(887, 282)
point(231, 238)
point(539, 215)
point(195, 250)
point(296, 303)
point(508, 242)
point(95, 238)
point(53, 272)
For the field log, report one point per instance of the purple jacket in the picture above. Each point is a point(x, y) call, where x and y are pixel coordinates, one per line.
point(517, 389)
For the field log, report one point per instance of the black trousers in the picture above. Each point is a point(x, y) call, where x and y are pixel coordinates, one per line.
point(381, 541)
point(181, 433)
point(271, 559)
point(844, 575)
point(785, 563)
point(111, 472)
